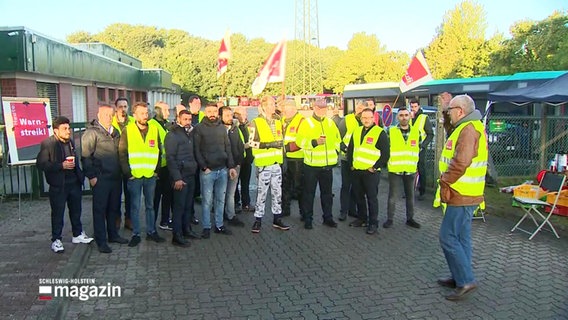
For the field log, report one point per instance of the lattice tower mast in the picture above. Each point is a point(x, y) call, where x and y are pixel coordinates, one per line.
point(307, 73)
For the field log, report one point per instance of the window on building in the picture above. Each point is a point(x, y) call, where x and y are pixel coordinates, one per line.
point(111, 94)
point(79, 98)
point(49, 90)
point(101, 95)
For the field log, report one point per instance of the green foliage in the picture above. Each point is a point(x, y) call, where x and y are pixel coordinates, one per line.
point(534, 46)
point(365, 60)
point(459, 49)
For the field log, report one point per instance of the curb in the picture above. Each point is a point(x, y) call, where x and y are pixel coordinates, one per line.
point(57, 309)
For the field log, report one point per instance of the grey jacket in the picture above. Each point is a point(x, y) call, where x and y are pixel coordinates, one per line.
point(99, 152)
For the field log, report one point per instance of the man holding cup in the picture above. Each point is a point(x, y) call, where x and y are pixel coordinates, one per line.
point(320, 139)
point(56, 159)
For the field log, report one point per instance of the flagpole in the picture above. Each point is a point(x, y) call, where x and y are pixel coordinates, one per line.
point(223, 84)
point(283, 90)
point(395, 100)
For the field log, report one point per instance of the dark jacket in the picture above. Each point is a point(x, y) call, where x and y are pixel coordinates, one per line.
point(179, 153)
point(237, 145)
point(99, 152)
point(212, 147)
point(50, 160)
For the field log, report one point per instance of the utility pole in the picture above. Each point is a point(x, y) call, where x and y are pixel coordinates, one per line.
point(307, 74)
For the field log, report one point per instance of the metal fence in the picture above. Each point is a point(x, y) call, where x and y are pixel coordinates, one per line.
point(524, 145)
point(26, 179)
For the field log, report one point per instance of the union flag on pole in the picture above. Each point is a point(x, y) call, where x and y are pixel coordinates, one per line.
point(224, 54)
point(273, 70)
point(417, 73)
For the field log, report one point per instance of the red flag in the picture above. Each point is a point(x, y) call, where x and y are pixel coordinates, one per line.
point(273, 70)
point(417, 73)
point(224, 54)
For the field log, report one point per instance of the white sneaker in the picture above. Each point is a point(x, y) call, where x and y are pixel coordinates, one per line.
point(57, 246)
point(82, 238)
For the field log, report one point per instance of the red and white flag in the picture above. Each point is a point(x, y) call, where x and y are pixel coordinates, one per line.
point(273, 70)
point(224, 54)
point(417, 73)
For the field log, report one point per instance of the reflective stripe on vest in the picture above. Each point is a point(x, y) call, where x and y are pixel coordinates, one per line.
point(351, 124)
point(243, 140)
point(403, 154)
point(321, 155)
point(472, 183)
point(266, 157)
point(365, 153)
point(290, 136)
point(420, 123)
point(142, 154)
point(162, 133)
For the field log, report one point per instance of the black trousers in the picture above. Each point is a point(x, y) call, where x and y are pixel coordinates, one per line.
point(106, 207)
point(243, 197)
point(408, 185)
point(126, 198)
point(69, 194)
point(347, 196)
point(366, 188)
point(183, 206)
point(422, 172)
point(312, 177)
point(292, 184)
point(163, 193)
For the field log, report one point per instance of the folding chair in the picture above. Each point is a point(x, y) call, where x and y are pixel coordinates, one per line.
point(533, 207)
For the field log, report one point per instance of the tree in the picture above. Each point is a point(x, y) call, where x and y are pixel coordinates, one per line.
point(459, 48)
point(534, 46)
point(365, 60)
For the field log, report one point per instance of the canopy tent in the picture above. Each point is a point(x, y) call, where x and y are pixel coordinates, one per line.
point(554, 92)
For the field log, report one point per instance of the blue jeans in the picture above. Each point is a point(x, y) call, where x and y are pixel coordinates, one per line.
point(230, 196)
point(455, 239)
point(213, 183)
point(135, 188)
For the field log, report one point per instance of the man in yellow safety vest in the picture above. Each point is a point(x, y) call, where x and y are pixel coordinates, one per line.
point(463, 164)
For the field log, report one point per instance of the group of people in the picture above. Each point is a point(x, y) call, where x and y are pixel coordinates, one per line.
point(205, 155)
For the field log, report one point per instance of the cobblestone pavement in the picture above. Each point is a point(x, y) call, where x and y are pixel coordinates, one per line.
point(322, 273)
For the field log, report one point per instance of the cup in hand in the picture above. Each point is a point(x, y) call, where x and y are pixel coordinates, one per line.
point(70, 159)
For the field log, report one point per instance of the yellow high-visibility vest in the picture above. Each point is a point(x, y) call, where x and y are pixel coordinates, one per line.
point(403, 153)
point(162, 133)
point(351, 124)
point(420, 123)
point(321, 155)
point(291, 135)
point(143, 155)
point(472, 183)
point(266, 157)
point(365, 153)
point(117, 126)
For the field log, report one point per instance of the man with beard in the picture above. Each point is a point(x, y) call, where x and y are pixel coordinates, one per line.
point(182, 167)
point(139, 153)
point(214, 158)
point(196, 117)
point(163, 191)
point(404, 148)
point(421, 122)
point(266, 141)
point(242, 198)
point(99, 153)
point(238, 152)
point(119, 122)
point(367, 153)
point(57, 159)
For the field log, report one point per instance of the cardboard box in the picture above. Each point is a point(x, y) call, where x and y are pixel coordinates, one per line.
point(529, 191)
